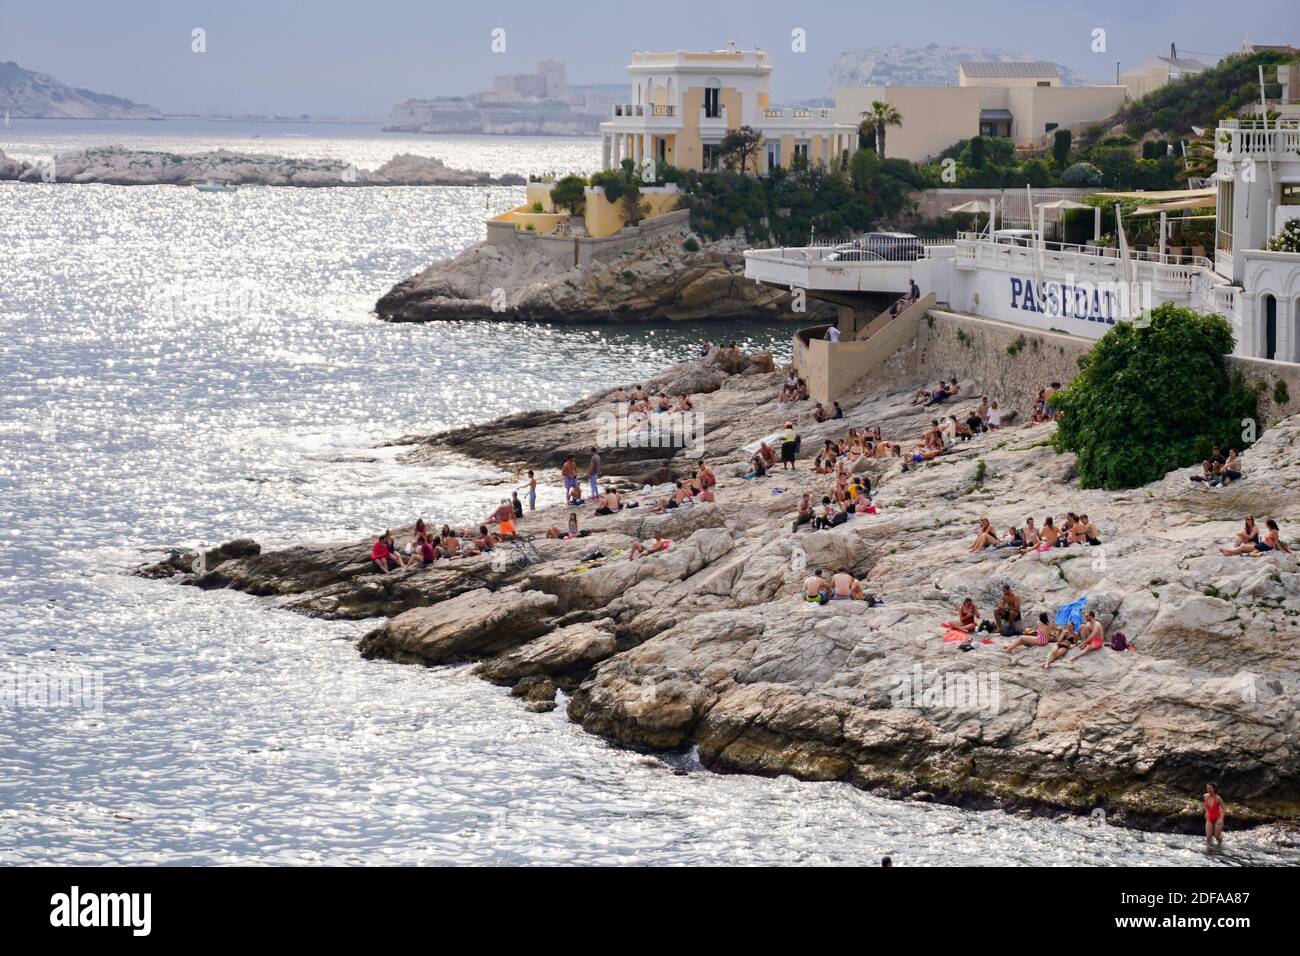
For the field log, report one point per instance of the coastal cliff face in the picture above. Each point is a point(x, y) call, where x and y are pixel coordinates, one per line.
point(710, 645)
point(654, 281)
point(118, 166)
point(31, 95)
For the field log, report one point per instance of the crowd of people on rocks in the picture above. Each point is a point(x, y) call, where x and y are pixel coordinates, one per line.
point(1073, 529)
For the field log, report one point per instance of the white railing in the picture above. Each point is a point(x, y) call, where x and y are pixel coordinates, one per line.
point(1224, 299)
point(821, 248)
point(791, 114)
point(720, 119)
point(1087, 249)
point(1257, 142)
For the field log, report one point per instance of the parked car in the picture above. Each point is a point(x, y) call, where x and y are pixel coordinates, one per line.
point(851, 254)
point(893, 246)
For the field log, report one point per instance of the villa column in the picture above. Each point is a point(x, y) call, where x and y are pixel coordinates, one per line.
point(604, 152)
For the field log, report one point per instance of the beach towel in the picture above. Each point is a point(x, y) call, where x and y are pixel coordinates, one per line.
point(1071, 612)
point(954, 636)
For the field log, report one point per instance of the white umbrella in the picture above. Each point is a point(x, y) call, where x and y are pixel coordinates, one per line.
point(1064, 204)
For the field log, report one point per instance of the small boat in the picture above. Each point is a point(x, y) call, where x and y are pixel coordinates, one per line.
point(212, 186)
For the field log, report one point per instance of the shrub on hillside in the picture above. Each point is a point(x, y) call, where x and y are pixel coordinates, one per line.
point(1151, 397)
point(1082, 174)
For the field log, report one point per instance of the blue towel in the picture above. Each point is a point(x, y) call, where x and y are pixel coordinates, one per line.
point(1071, 612)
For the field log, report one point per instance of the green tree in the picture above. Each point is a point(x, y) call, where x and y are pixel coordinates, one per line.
point(975, 153)
point(1152, 396)
point(568, 194)
point(876, 120)
point(1061, 142)
point(738, 145)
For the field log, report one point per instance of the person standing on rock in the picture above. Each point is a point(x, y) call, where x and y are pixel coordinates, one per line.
point(569, 472)
point(532, 491)
point(593, 473)
point(1214, 814)
point(789, 446)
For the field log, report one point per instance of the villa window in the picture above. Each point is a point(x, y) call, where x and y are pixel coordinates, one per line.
point(773, 154)
point(1223, 219)
point(801, 149)
point(1049, 127)
point(713, 100)
point(710, 157)
point(1290, 194)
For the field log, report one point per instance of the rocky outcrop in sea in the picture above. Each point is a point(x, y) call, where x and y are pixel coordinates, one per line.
point(119, 166)
point(708, 645)
point(653, 280)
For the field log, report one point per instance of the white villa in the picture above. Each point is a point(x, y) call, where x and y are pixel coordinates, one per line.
point(1014, 276)
point(683, 103)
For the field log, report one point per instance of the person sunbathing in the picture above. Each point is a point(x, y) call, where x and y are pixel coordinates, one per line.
point(968, 618)
point(830, 517)
point(1230, 470)
point(641, 549)
point(384, 553)
point(1007, 614)
point(485, 540)
point(610, 503)
point(1271, 541)
point(994, 417)
point(820, 414)
point(769, 456)
point(1249, 534)
point(451, 547)
point(504, 516)
point(842, 585)
point(1030, 539)
point(706, 476)
point(707, 495)
point(1092, 635)
point(986, 537)
point(806, 512)
point(683, 404)
point(1050, 534)
point(1066, 638)
point(1037, 636)
point(1086, 532)
point(816, 589)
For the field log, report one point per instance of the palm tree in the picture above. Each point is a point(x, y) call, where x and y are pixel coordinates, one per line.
point(876, 119)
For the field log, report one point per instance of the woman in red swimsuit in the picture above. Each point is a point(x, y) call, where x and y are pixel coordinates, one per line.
point(1214, 814)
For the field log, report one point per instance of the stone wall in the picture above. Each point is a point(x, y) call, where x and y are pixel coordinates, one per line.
point(975, 351)
point(569, 251)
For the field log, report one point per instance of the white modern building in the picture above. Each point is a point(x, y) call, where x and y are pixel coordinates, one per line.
point(1014, 276)
point(683, 103)
point(1159, 71)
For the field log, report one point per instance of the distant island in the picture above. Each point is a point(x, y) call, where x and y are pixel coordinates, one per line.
point(541, 102)
point(28, 95)
point(119, 166)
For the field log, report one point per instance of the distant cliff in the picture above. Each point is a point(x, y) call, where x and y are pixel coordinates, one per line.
point(28, 95)
point(449, 114)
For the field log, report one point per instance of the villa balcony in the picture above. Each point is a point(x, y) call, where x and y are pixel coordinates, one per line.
point(1242, 139)
point(820, 116)
point(717, 120)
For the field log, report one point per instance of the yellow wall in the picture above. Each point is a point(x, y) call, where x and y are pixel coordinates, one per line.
point(540, 192)
point(605, 218)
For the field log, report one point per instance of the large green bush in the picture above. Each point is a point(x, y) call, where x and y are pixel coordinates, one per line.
point(1152, 396)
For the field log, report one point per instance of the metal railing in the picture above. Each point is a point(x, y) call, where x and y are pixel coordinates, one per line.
point(1088, 249)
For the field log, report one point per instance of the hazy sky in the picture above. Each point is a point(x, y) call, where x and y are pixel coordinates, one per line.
point(359, 58)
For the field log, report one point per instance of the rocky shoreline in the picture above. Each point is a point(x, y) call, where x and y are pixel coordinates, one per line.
point(656, 280)
point(119, 166)
point(708, 645)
